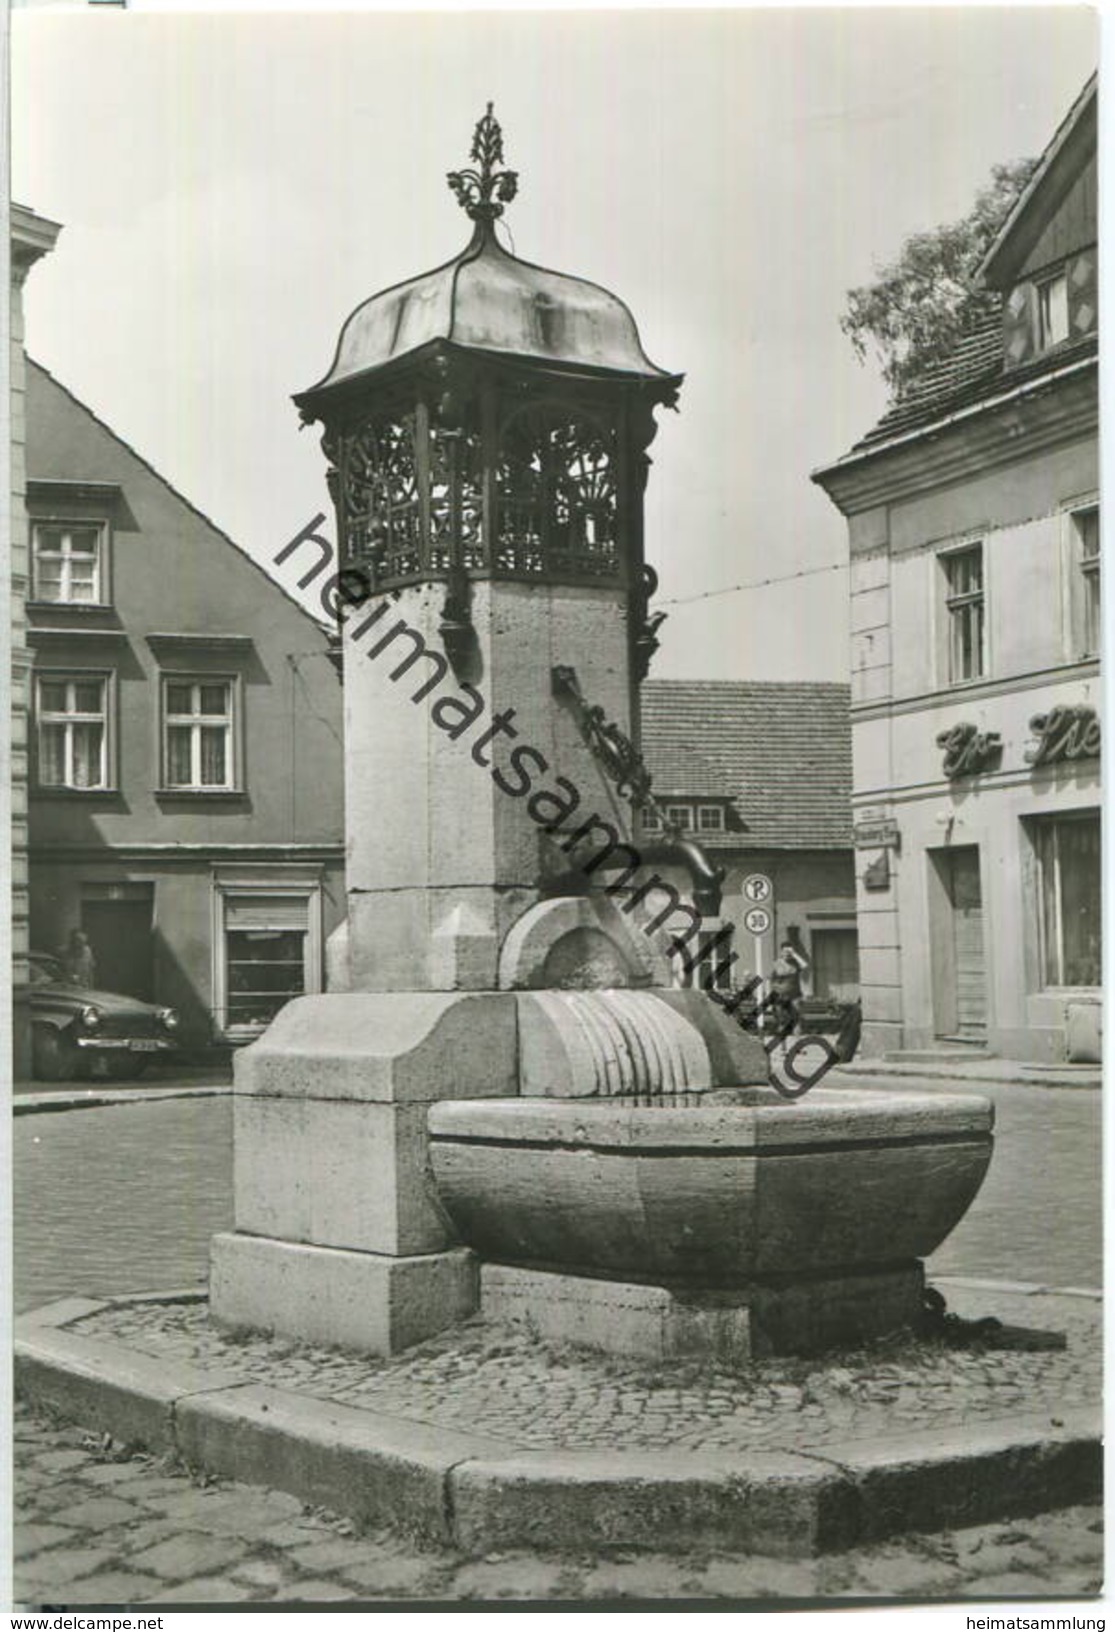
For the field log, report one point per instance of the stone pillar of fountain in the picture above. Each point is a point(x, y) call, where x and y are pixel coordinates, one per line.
point(486, 428)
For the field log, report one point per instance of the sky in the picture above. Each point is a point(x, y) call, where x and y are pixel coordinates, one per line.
point(231, 185)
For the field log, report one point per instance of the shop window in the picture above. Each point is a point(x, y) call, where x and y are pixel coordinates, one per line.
point(71, 717)
point(1068, 853)
point(68, 563)
point(964, 609)
point(198, 735)
point(269, 952)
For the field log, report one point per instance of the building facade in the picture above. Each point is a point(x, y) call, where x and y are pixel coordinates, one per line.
point(186, 804)
point(973, 517)
point(32, 237)
point(760, 773)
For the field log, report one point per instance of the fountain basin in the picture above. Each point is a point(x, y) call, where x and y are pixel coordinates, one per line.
point(711, 1195)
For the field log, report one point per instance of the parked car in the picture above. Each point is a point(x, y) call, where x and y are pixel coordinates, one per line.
point(78, 1031)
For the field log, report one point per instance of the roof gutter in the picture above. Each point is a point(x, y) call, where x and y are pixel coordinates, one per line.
point(851, 460)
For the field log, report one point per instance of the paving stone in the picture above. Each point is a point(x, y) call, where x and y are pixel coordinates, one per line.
point(641, 1578)
point(523, 1577)
point(70, 1563)
point(901, 1576)
point(1009, 1584)
point(124, 1587)
point(262, 1572)
point(188, 1554)
point(396, 1577)
point(109, 1473)
point(34, 1538)
point(46, 1500)
point(995, 1559)
point(62, 1460)
point(315, 1592)
point(98, 1513)
point(146, 1487)
point(758, 1577)
point(1070, 1534)
point(326, 1554)
point(205, 1590)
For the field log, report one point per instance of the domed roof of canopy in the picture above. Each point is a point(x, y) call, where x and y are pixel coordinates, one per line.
point(486, 299)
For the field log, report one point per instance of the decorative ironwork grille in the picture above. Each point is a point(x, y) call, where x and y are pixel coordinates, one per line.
point(380, 498)
point(411, 496)
point(456, 499)
point(556, 497)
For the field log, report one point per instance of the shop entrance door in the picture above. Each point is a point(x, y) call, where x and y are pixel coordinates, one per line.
point(960, 969)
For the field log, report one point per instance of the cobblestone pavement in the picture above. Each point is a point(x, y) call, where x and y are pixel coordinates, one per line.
point(94, 1530)
point(501, 1382)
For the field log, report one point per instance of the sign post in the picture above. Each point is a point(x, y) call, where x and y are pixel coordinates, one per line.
point(759, 891)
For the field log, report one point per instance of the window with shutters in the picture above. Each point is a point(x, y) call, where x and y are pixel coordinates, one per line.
point(268, 950)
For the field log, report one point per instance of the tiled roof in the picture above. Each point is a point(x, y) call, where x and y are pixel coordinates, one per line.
point(781, 750)
point(969, 374)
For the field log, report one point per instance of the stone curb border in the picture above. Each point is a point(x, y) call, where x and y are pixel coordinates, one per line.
point(478, 1493)
point(968, 1081)
point(94, 1100)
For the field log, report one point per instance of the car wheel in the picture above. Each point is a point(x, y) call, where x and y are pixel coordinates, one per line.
point(53, 1055)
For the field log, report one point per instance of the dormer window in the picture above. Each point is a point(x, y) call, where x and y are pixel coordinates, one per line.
point(710, 819)
point(1053, 312)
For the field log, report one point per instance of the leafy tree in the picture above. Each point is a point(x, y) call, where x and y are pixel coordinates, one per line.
point(926, 300)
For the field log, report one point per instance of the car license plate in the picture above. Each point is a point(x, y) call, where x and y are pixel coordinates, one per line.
point(144, 1045)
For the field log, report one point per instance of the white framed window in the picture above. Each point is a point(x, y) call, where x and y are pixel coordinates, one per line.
point(965, 613)
point(267, 950)
point(1053, 312)
point(72, 728)
point(650, 820)
point(710, 819)
point(69, 565)
point(199, 737)
point(1071, 933)
point(681, 816)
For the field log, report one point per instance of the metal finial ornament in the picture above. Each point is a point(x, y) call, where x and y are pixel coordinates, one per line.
point(482, 193)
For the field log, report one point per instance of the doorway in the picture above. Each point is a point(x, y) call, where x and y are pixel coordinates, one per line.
point(835, 956)
point(956, 930)
point(119, 919)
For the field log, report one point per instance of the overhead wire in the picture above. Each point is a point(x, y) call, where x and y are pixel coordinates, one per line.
point(755, 583)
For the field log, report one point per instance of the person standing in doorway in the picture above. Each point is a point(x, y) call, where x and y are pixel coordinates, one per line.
point(78, 960)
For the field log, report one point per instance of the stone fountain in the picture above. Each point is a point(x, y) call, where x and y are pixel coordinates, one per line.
point(505, 1104)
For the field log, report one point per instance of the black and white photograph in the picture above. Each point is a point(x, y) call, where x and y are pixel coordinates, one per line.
point(552, 813)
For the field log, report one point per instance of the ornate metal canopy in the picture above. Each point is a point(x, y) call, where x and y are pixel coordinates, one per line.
point(491, 417)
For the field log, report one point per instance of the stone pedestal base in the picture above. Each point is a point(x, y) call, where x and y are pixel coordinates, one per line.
point(802, 1315)
point(358, 1300)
